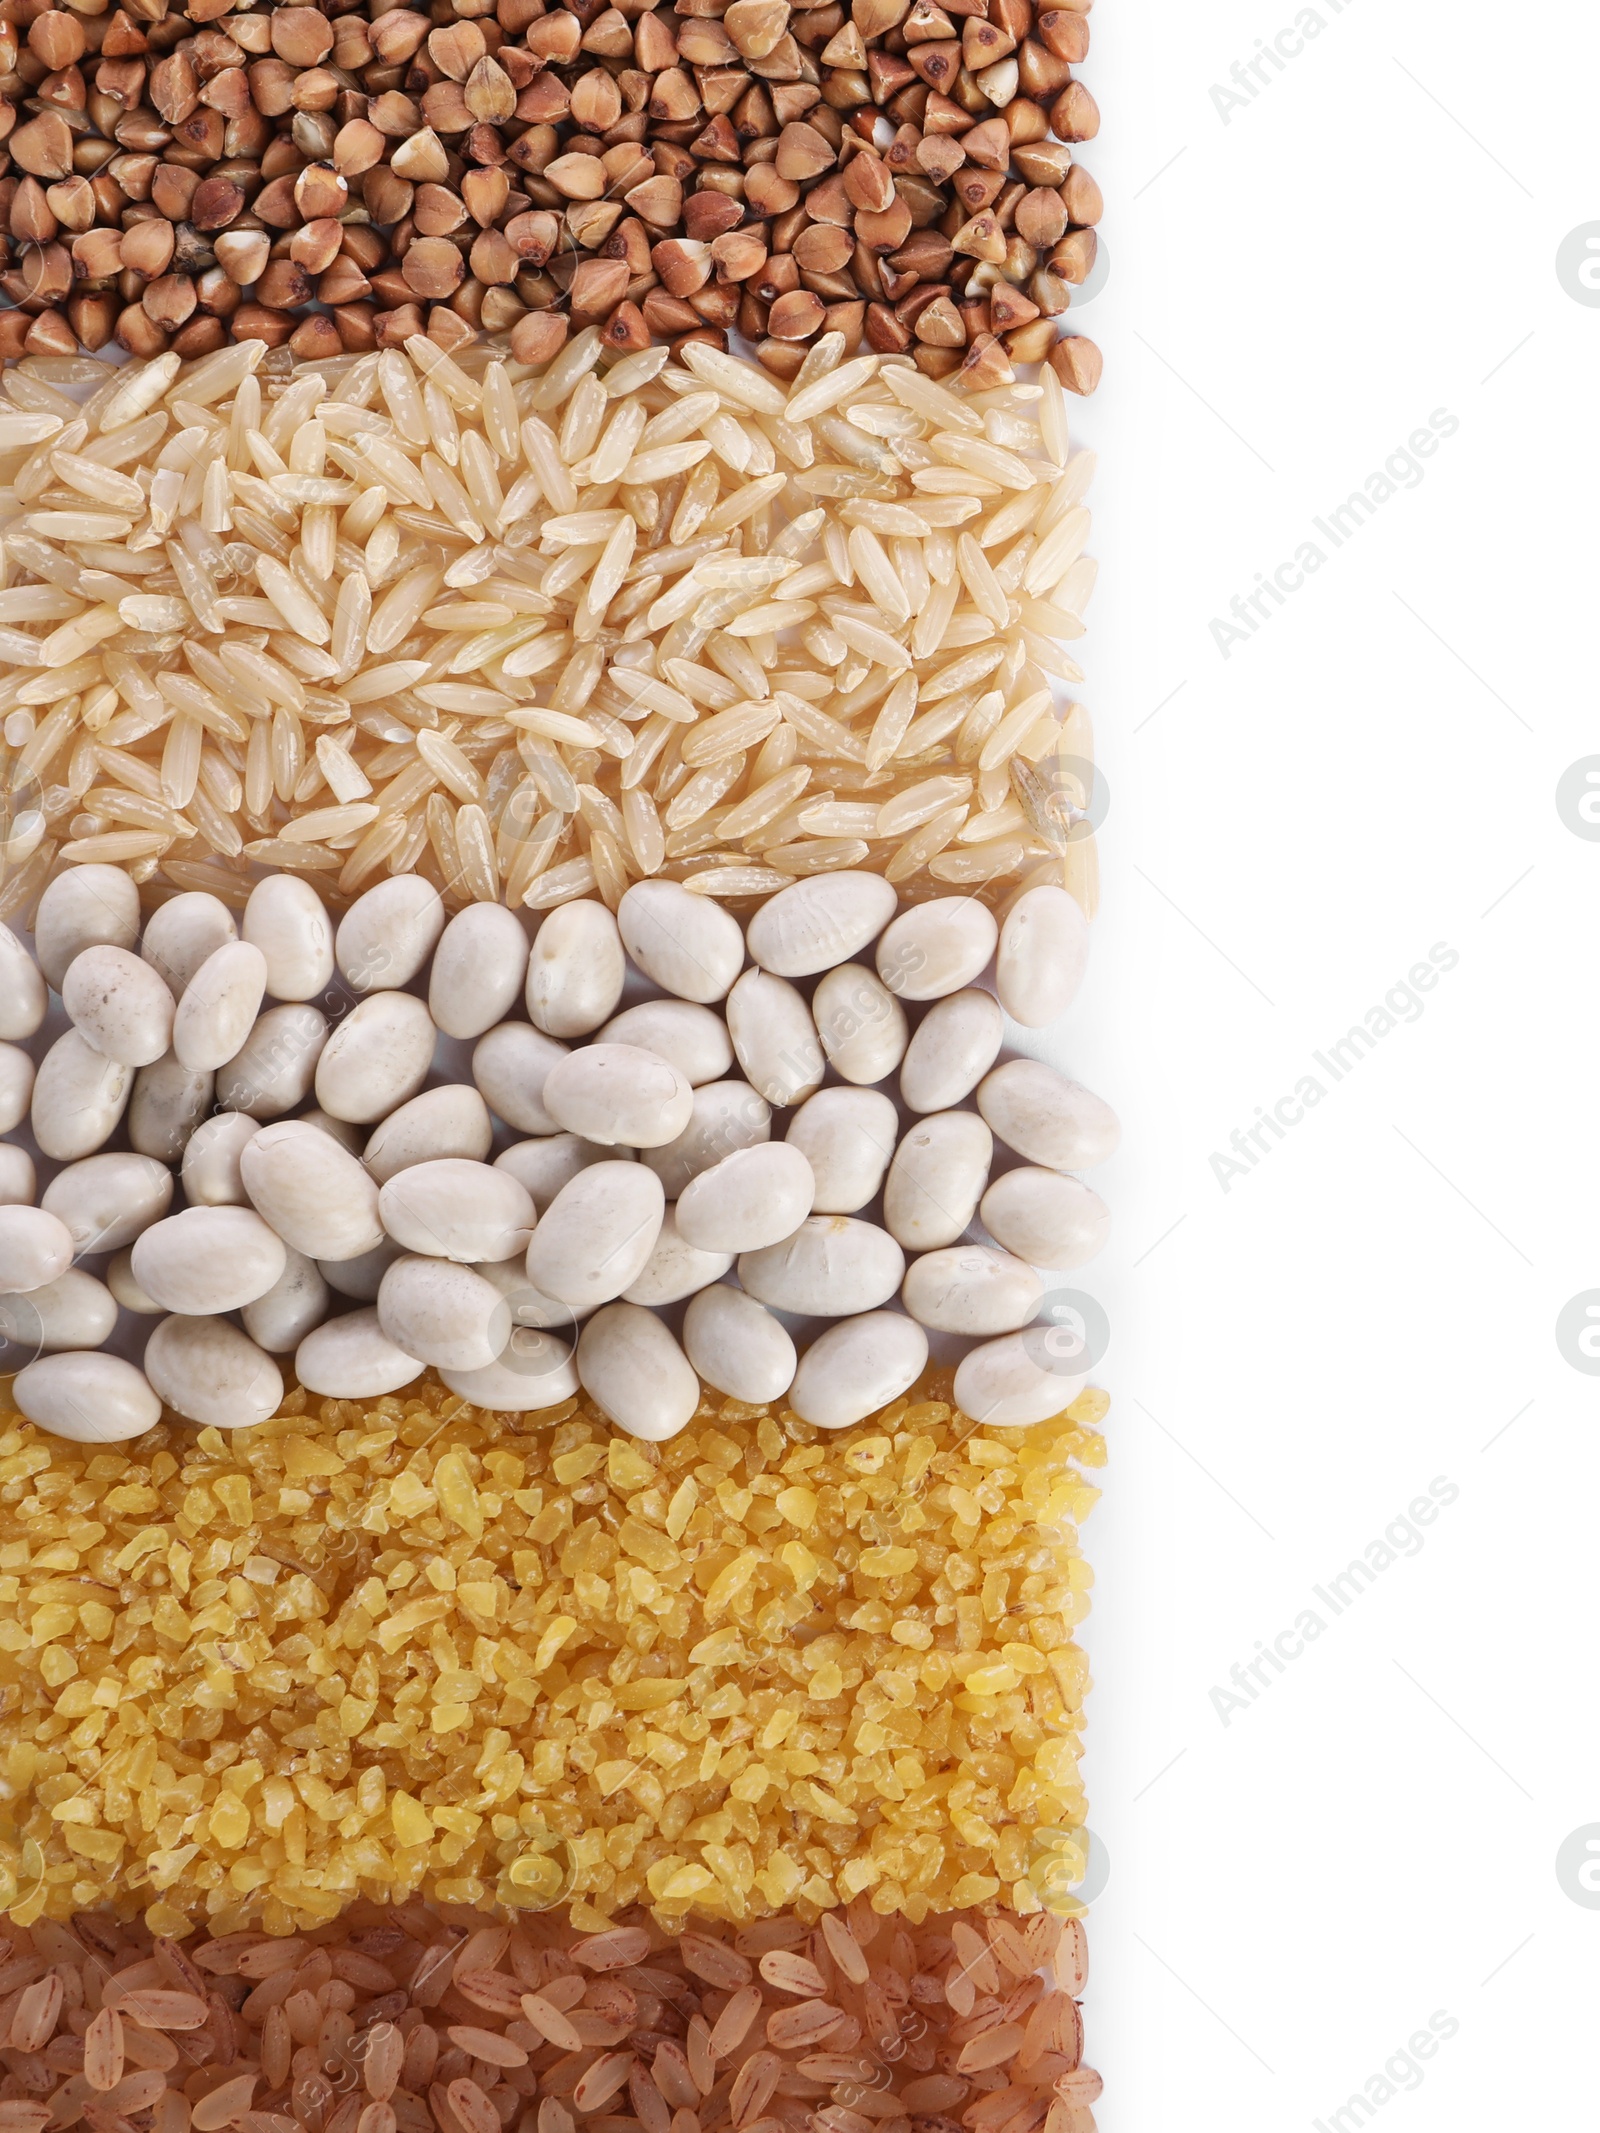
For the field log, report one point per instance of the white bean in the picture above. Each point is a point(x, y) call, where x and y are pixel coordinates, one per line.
point(35, 1247)
point(774, 1037)
point(856, 1367)
point(122, 1006)
point(1046, 1218)
point(937, 948)
point(618, 1095)
point(18, 1181)
point(208, 1260)
point(820, 921)
point(726, 1115)
point(280, 1319)
point(389, 933)
point(576, 970)
point(737, 1345)
point(168, 1104)
point(531, 1309)
point(675, 1268)
point(211, 1176)
point(311, 1191)
point(752, 1198)
point(971, 1289)
point(208, 1372)
point(832, 1267)
point(219, 1005)
point(87, 1397)
point(73, 1311)
point(377, 1058)
point(509, 1065)
point(1046, 1118)
point(453, 1120)
point(129, 1295)
point(533, 1371)
point(848, 1137)
point(24, 996)
point(596, 1237)
point(79, 1096)
point(952, 1048)
point(1017, 1380)
point(542, 1167)
point(349, 1137)
point(443, 1314)
point(84, 906)
point(635, 1372)
point(693, 1038)
point(181, 933)
point(1044, 952)
point(478, 969)
point(861, 1023)
point(286, 920)
point(454, 1209)
point(352, 1358)
point(108, 1200)
point(273, 1070)
point(689, 945)
point(936, 1180)
point(16, 1086)
point(361, 1277)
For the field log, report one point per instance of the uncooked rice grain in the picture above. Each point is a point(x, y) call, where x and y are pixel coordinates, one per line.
point(393, 612)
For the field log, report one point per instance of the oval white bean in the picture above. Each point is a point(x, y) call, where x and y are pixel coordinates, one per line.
point(24, 996)
point(181, 933)
point(352, 1358)
point(73, 1311)
point(597, 1235)
point(937, 948)
point(285, 918)
point(861, 1023)
point(219, 1005)
point(18, 1180)
point(1018, 1380)
point(389, 932)
point(856, 1367)
point(443, 1314)
point(79, 1096)
point(848, 1137)
point(936, 1180)
point(273, 1070)
point(81, 908)
point(752, 1198)
point(108, 1200)
point(510, 1064)
point(211, 1175)
point(822, 920)
point(361, 1277)
point(35, 1247)
point(774, 1037)
point(576, 970)
point(122, 1006)
point(832, 1267)
point(168, 1104)
point(952, 1048)
point(635, 1372)
point(377, 1058)
point(16, 1086)
point(675, 1268)
point(971, 1289)
point(454, 1209)
point(478, 969)
point(450, 1121)
point(689, 945)
point(88, 1397)
point(129, 1295)
point(726, 1115)
point(208, 1260)
point(1044, 952)
point(542, 1167)
point(737, 1345)
point(1046, 1218)
point(1046, 1118)
point(210, 1373)
point(534, 1371)
point(349, 1137)
point(617, 1094)
point(280, 1319)
point(531, 1308)
point(693, 1038)
point(311, 1191)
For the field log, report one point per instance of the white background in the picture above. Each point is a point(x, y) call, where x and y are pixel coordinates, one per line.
point(1292, 293)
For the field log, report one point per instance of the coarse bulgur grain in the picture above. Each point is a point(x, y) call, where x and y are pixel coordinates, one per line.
point(410, 1648)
